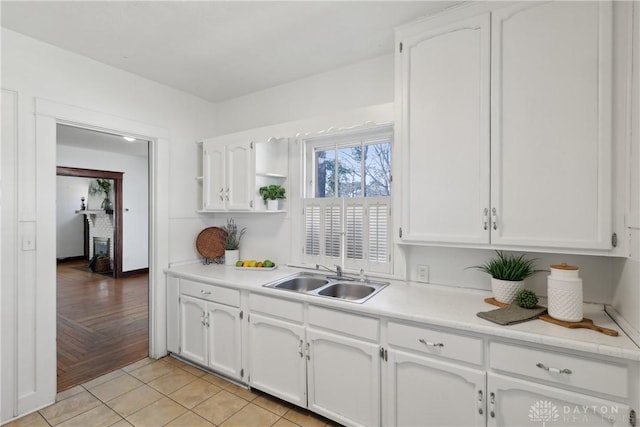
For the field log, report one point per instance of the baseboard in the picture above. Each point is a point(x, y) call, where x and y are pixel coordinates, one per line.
point(134, 272)
point(71, 259)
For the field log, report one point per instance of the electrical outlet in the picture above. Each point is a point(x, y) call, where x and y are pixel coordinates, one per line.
point(423, 273)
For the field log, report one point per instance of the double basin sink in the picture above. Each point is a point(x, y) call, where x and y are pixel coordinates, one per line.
point(342, 288)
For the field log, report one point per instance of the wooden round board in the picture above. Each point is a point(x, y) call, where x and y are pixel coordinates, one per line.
point(210, 242)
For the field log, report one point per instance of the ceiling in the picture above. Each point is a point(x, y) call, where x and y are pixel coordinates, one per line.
point(219, 50)
point(100, 141)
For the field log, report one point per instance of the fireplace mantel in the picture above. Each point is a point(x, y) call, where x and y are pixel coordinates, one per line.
point(91, 214)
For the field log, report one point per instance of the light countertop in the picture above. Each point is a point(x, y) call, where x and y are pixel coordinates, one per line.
point(437, 305)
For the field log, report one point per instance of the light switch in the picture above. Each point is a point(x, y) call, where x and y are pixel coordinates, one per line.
point(28, 242)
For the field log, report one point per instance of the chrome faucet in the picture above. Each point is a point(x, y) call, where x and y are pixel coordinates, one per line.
point(338, 271)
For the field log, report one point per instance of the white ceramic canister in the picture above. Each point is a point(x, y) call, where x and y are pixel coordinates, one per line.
point(564, 291)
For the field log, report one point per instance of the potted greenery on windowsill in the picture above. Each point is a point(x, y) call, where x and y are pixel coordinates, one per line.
point(507, 274)
point(271, 194)
point(232, 242)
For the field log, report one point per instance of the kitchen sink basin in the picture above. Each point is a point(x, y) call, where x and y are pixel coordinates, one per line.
point(346, 289)
point(301, 284)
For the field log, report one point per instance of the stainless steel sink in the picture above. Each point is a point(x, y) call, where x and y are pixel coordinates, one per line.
point(350, 290)
point(301, 284)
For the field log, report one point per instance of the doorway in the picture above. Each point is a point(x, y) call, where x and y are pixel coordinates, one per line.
point(102, 315)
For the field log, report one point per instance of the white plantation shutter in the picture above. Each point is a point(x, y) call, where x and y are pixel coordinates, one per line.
point(332, 228)
point(365, 222)
point(378, 218)
point(354, 229)
point(312, 230)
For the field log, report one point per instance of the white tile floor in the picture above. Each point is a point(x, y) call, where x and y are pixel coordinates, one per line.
point(166, 392)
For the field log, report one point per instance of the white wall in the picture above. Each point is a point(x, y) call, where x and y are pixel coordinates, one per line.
point(70, 225)
point(135, 196)
point(37, 70)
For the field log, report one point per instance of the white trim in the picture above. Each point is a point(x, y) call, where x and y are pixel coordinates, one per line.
point(48, 115)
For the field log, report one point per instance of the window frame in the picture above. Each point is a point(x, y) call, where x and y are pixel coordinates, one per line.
point(350, 138)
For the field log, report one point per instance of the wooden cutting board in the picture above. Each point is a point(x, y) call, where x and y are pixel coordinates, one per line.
point(585, 323)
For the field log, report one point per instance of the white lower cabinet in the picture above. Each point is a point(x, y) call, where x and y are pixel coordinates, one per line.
point(516, 402)
point(210, 335)
point(425, 392)
point(277, 362)
point(344, 378)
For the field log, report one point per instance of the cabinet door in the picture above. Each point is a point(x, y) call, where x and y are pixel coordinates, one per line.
point(426, 392)
point(213, 180)
point(193, 331)
point(239, 193)
point(277, 364)
point(224, 339)
point(551, 124)
point(344, 378)
point(444, 84)
point(514, 402)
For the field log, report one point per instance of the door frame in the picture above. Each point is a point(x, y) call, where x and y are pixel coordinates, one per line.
point(117, 234)
point(48, 114)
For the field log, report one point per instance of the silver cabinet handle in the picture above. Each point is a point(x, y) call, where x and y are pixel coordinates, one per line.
point(226, 194)
point(308, 355)
point(492, 401)
point(480, 402)
point(431, 344)
point(300, 349)
point(203, 292)
point(221, 191)
point(554, 370)
point(494, 218)
point(485, 218)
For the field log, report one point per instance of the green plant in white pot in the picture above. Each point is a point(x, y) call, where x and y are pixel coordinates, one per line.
point(271, 194)
point(507, 274)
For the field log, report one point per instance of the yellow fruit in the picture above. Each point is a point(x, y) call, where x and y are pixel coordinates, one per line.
point(246, 264)
point(252, 263)
point(259, 264)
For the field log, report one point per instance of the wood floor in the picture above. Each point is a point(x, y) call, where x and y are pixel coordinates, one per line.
point(102, 323)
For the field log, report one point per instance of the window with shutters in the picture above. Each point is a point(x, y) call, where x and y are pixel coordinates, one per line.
point(347, 204)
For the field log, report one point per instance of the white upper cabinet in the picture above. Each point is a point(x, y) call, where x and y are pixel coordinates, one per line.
point(551, 67)
point(505, 127)
point(445, 128)
point(234, 169)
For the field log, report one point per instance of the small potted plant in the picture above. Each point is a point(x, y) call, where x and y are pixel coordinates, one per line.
point(232, 242)
point(105, 185)
point(271, 194)
point(507, 275)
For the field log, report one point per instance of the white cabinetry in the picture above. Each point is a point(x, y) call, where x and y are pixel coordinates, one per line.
point(277, 364)
point(227, 169)
point(515, 402)
point(540, 385)
point(344, 366)
point(533, 168)
point(444, 74)
point(234, 168)
point(422, 383)
point(210, 327)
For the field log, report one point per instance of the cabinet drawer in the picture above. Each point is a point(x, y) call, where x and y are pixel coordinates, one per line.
point(277, 307)
point(589, 374)
point(348, 323)
point(214, 293)
point(436, 342)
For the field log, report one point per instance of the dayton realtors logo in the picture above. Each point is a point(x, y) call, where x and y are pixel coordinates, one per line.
point(544, 411)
